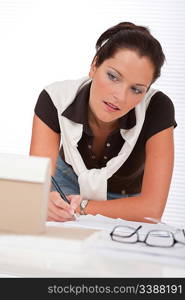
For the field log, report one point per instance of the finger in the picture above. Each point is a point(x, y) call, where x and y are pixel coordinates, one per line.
point(59, 212)
point(75, 201)
point(58, 201)
point(55, 218)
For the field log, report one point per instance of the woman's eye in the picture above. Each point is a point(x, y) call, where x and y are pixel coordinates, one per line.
point(112, 77)
point(136, 90)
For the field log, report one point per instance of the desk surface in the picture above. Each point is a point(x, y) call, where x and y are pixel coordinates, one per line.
point(63, 252)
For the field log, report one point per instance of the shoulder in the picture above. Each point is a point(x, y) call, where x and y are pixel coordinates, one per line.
point(160, 101)
point(160, 115)
point(62, 92)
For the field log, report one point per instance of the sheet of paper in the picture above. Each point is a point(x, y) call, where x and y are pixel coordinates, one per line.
point(105, 223)
point(102, 243)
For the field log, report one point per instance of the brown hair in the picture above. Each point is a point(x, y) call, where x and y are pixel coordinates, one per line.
point(130, 36)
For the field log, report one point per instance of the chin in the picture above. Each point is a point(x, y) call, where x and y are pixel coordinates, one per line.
point(107, 119)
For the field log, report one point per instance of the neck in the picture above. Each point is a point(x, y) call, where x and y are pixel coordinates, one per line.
point(101, 125)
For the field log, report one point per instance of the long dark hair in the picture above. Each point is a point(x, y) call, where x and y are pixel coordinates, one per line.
point(127, 35)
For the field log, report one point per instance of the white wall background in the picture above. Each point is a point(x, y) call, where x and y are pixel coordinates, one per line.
point(46, 40)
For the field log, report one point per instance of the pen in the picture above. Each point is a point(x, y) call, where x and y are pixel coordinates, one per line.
point(63, 196)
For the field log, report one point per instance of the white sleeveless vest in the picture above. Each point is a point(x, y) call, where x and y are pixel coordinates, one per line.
point(93, 182)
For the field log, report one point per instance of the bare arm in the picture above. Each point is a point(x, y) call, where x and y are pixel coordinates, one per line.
point(155, 187)
point(44, 142)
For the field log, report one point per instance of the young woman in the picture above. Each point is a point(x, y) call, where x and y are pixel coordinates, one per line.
point(109, 135)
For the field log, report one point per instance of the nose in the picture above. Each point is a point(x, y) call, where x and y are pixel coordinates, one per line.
point(120, 93)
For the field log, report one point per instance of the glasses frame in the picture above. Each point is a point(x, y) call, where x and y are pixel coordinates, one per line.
point(138, 240)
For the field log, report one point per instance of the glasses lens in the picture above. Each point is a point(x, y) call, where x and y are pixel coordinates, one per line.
point(160, 238)
point(124, 234)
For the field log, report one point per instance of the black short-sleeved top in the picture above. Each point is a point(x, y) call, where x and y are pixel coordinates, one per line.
point(128, 178)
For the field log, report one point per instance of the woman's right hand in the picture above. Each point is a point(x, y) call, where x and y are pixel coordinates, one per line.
point(59, 210)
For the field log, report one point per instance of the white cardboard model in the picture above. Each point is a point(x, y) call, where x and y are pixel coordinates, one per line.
point(24, 191)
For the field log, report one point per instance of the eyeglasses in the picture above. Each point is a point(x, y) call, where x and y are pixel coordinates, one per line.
point(154, 238)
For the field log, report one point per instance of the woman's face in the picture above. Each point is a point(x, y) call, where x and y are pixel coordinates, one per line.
point(119, 84)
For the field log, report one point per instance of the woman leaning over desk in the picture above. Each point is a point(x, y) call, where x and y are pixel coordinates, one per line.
point(116, 131)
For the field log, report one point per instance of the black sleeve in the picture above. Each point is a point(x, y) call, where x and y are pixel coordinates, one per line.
point(160, 115)
point(47, 112)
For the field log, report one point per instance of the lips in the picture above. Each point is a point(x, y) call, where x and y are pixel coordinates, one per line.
point(111, 106)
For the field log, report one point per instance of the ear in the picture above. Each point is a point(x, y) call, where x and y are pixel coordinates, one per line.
point(92, 69)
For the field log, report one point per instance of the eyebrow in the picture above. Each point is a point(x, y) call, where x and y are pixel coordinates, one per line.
point(140, 84)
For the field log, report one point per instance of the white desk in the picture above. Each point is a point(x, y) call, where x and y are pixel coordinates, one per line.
point(63, 252)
